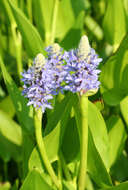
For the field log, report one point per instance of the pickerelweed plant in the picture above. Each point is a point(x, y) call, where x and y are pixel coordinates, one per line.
point(59, 71)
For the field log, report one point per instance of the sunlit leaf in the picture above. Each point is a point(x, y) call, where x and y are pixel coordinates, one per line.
point(11, 138)
point(117, 137)
point(98, 129)
point(5, 103)
point(34, 181)
point(114, 22)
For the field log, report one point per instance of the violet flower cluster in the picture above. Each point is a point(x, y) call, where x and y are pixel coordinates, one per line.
point(74, 70)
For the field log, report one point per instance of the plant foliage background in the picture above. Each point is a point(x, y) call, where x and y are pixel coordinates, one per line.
point(25, 29)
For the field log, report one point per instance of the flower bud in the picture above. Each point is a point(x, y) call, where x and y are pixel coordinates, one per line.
point(39, 61)
point(83, 48)
point(55, 48)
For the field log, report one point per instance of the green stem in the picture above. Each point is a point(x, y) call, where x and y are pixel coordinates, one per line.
point(41, 146)
point(84, 142)
point(54, 17)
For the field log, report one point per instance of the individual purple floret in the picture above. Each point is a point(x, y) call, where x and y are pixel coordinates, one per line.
point(81, 67)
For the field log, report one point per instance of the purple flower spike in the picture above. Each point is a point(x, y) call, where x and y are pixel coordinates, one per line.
point(81, 67)
point(43, 79)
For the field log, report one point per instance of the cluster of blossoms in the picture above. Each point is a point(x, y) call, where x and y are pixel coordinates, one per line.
point(74, 70)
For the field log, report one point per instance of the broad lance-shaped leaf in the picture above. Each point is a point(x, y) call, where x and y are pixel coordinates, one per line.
point(114, 22)
point(30, 35)
point(61, 112)
point(122, 186)
point(99, 132)
point(20, 103)
point(58, 122)
point(98, 129)
point(71, 145)
point(35, 160)
point(117, 138)
point(114, 75)
point(95, 163)
point(43, 14)
point(64, 25)
point(35, 181)
point(119, 170)
point(38, 12)
point(7, 103)
point(74, 33)
point(10, 138)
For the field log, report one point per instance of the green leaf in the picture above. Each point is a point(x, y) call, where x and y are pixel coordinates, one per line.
point(38, 13)
point(34, 181)
point(11, 138)
point(30, 35)
point(71, 144)
point(64, 25)
point(95, 165)
point(58, 123)
point(61, 112)
point(89, 183)
point(117, 137)
point(68, 186)
point(44, 14)
point(35, 160)
point(5, 186)
point(20, 103)
point(98, 129)
point(122, 186)
point(119, 170)
point(114, 75)
point(114, 22)
point(27, 147)
point(124, 109)
point(7, 103)
point(10, 129)
point(74, 33)
point(126, 10)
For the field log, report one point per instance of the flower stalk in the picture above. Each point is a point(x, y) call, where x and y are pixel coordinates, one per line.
point(83, 142)
point(41, 146)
